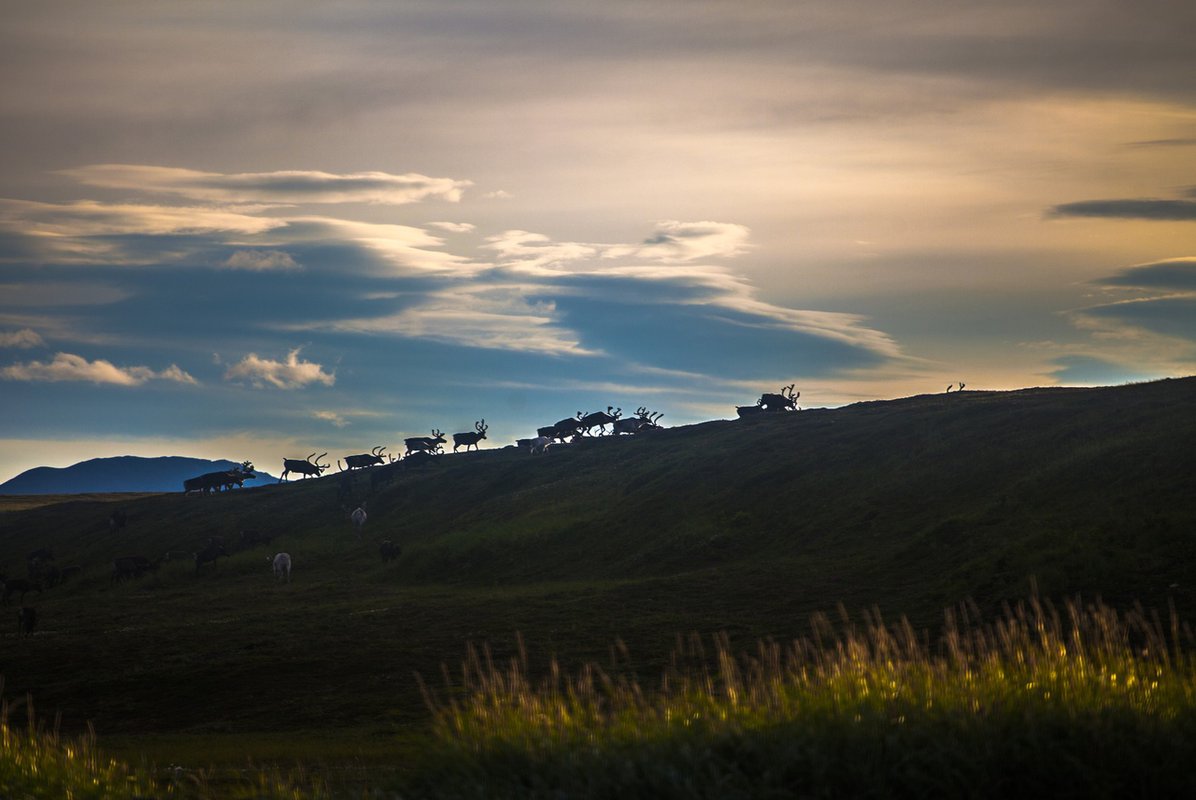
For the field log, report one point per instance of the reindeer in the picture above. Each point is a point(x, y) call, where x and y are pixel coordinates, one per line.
point(358, 518)
point(470, 439)
point(749, 411)
point(425, 444)
point(642, 421)
point(304, 467)
point(213, 550)
point(564, 429)
point(364, 460)
point(785, 401)
point(598, 419)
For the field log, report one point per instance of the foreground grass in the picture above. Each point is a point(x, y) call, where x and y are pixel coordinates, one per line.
point(39, 763)
point(1081, 701)
point(1084, 703)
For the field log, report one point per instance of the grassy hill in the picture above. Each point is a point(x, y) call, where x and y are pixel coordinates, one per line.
point(743, 526)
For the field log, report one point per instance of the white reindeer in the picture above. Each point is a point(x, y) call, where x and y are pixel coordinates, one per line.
point(359, 517)
point(282, 566)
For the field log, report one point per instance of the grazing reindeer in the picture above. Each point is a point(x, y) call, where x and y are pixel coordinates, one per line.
point(282, 566)
point(364, 460)
point(785, 401)
point(598, 419)
point(214, 550)
point(133, 567)
point(304, 467)
point(470, 439)
point(540, 444)
point(358, 517)
point(425, 444)
point(749, 411)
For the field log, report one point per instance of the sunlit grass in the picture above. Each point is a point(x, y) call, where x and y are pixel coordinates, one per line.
point(36, 762)
point(1084, 700)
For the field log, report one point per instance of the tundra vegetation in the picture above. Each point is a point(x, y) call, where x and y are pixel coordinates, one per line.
point(742, 532)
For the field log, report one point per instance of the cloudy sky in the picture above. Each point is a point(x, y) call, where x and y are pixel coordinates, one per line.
point(254, 230)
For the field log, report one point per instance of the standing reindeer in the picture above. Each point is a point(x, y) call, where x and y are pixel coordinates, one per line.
point(425, 444)
point(471, 439)
point(304, 467)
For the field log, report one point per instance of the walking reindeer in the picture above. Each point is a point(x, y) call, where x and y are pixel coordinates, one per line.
point(471, 438)
point(304, 467)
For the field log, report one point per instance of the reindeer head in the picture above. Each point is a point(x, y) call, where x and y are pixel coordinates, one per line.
point(481, 427)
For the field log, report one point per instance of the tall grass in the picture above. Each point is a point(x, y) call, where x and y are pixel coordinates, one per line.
point(37, 762)
point(1081, 702)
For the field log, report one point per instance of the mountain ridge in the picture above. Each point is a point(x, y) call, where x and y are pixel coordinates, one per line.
point(118, 474)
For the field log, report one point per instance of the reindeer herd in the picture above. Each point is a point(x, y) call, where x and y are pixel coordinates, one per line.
point(420, 448)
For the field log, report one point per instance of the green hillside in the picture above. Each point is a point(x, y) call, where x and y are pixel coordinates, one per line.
point(744, 526)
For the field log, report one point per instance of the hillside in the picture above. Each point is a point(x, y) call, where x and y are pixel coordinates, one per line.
point(118, 474)
point(742, 526)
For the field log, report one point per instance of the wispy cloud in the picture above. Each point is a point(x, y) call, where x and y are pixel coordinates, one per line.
point(70, 367)
point(482, 315)
point(453, 227)
point(286, 186)
point(338, 420)
point(1132, 208)
point(261, 261)
point(293, 373)
point(676, 242)
point(22, 339)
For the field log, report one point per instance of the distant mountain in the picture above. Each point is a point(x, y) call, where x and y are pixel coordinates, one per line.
point(119, 474)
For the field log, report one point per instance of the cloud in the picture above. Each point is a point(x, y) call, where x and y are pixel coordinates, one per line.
point(535, 252)
point(22, 339)
point(337, 420)
point(260, 261)
point(290, 374)
point(453, 227)
point(288, 186)
point(1173, 273)
point(1134, 208)
point(674, 280)
point(402, 246)
point(89, 232)
point(69, 367)
point(482, 315)
point(675, 242)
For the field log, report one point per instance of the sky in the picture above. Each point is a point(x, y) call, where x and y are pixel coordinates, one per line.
point(265, 229)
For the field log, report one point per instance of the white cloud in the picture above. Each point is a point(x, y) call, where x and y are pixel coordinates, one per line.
point(23, 339)
point(494, 317)
point(260, 261)
point(337, 420)
point(535, 252)
point(290, 374)
point(70, 367)
point(453, 227)
point(287, 186)
point(86, 231)
point(675, 242)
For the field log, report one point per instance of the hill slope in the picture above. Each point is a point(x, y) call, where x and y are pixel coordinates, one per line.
point(742, 526)
point(118, 474)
